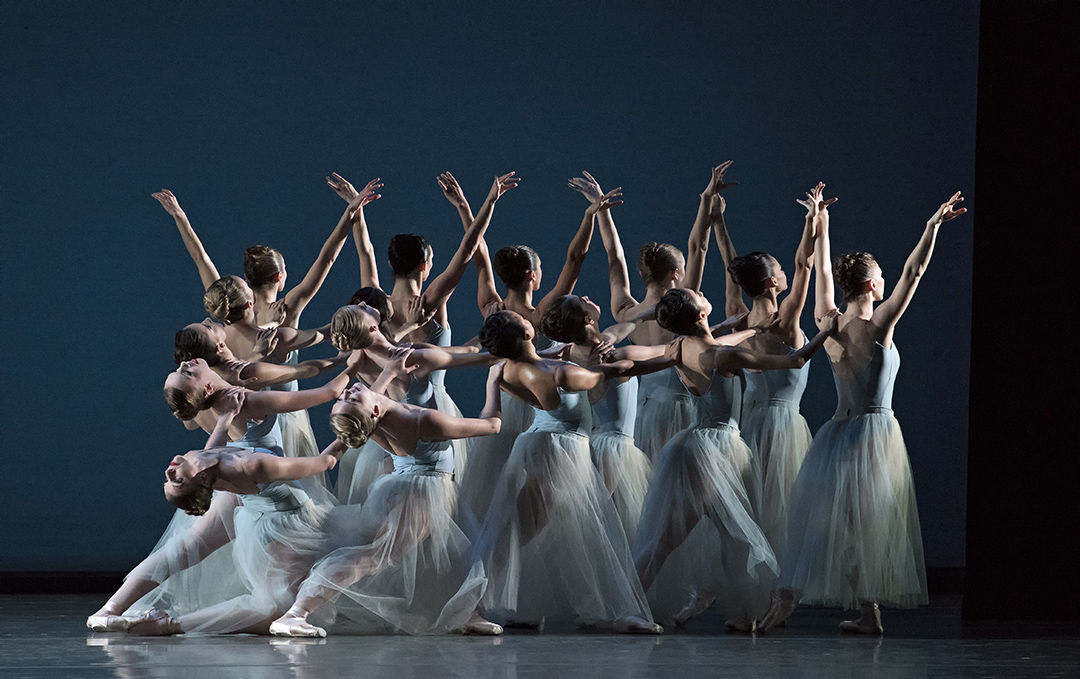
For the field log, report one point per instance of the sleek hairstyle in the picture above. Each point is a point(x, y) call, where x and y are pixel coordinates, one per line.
point(261, 264)
point(407, 252)
point(349, 329)
point(750, 271)
point(513, 264)
point(503, 335)
point(379, 301)
point(190, 343)
point(183, 405)
point(225, 299)
point(677, 311)
point(565, 320)
point(851, 270)
point(656, 261)
point(353, 430)
point(195, 501)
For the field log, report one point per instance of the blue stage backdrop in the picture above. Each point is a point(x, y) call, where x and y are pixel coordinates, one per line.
point(241, 109)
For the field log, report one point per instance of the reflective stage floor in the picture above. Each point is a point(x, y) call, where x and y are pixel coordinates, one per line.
point(43, 636)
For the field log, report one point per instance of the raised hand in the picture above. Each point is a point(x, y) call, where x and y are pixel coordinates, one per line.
point(417, 315)
point(495, 372)
point(169, 202)
point(586, 186)
point(398, 358)
point(829, 321)
point(946, 211)
point(673, 352)
point(231, 401)
point(501, 185)
point(451, 189)
point(814, 203)
point(493, 308)
point(730, 323)
point(341, 187)
point(279, 311)
point(606, 201)
point(230, 371)
point(266, 341)
point(716, 182)
point(602, 352)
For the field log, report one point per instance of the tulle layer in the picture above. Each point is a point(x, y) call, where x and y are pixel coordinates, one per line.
point(625, 471)
point(358, 469)
point(659, 418)
point(853, 527)
point(297, 440)
point(552, 542)
point(778, 438)
point(697, 514)
point(489, 455)
point(409, 566)
point(445, 404)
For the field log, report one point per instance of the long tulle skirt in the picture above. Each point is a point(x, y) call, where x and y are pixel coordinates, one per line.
point(445, 404)
point(853, 526)
point(778, 438)
point(661, 417)
point(625, 471)
point(358, 469)
point(489, 455)
point(698, 514)
point(297, 439)
point(552, 542)
point(409, 567)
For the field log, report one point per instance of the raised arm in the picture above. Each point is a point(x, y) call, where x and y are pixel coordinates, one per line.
point(227, 408)
point(369, 272)
point(259, 404)
point(438, 426)
point(266, 468)
point(575, 254)
point(208, 273)
point(486, 294)
point(824, 300)
point(618, 276)
point(733, 297)
point(698, 244)
point(890, 311)
point(440, 289)
point(297, 298)
point(792, 307)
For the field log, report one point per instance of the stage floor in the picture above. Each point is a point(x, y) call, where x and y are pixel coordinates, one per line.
point(44, 636)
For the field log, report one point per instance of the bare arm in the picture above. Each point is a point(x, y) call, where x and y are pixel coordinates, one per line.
point(792, 307)
point(733, 298)
point(297, 298)
point(208, 273)
point(890, 311)
point(729, 359)
point(261, 374)
point(698, 244)
point(824, 301)
point(618, 276)
point(259, 404)
point(369, 272)
point(486, 294)
point(441, 288)
point(266, 468)
point(438, 426)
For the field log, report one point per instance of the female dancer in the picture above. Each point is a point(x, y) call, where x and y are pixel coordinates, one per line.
point(408, 566)
point(552, 537)
point(700, 473)
point(853, 527)
point(518, 266)
point(664, 405)
point(274, 536)
point(771, 424)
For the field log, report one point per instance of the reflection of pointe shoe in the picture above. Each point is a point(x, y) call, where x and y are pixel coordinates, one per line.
point(632, 624)
point(698, 605)
point(744, 625)
point(867, 623)
point(780, 609)
point(155, 623)
point(108, 623)
point(291, 626)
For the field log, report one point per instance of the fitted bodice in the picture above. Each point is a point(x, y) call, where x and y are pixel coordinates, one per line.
point(662, 384)
point(616, 411)
point(276, 496)
point(265, 434)
point(775, 385)
point(440, 337)
point(292, 359)
point(871, 390)
point(572, 416)
point(721, 405)
point(429, 456)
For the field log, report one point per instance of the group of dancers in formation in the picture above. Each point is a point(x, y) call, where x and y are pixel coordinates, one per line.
point(625, 484)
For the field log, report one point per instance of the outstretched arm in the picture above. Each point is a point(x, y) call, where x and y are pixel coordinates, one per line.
point(260, 374)
point(729, 359)
point(824, 302)
point(618, 277)
point(259, 404)
point(438, 426)
point(369, 272)
point(575, 254)
point(266, 468)
point(698, 244)
point(441, 288)
point(208, 273)
point(486, 294)
point(792, 307)
point(890, 311)
point(297, 298)
point(733, 298)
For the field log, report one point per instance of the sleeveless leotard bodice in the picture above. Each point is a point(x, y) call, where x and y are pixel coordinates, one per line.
point(662, 384)
point(439, 337)
point(572, 416)
point(429, 456)
point(871, 390)
point(292, 359)
point(265, 434)
point(721, 405)
point(616, 411)
point(276, 496)
point(775, 385)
